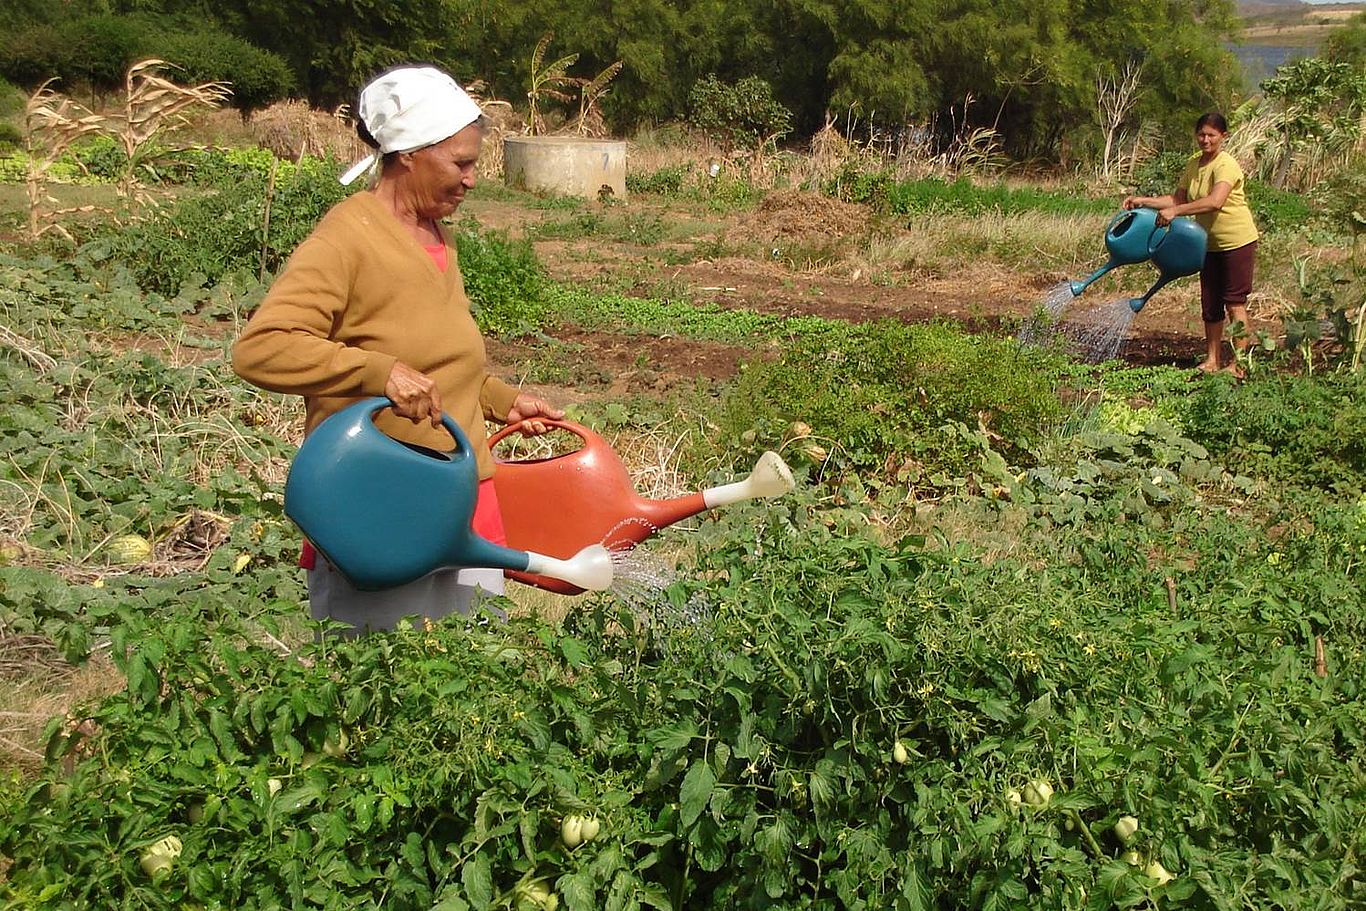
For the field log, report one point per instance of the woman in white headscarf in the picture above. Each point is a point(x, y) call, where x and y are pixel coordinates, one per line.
point(373, 303)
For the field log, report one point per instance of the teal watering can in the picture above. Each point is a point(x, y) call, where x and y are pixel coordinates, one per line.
point(1127, 240)
point(1178, 250)
point(385, 513)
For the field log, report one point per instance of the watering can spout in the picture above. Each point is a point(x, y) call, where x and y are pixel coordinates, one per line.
point(770, 478)
point(1136, 303)
point(1077, 287)
point(590, 569)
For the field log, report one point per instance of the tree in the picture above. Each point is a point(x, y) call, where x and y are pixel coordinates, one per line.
point(1116, 94)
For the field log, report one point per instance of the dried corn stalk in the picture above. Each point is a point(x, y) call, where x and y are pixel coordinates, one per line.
point(154, 105)
point(52, 123)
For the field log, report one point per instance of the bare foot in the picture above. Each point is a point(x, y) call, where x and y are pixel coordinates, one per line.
point(1235, 370)
point(1208, 366)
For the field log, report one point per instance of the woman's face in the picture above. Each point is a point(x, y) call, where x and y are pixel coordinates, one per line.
point(442, 174)
point(1210, 139)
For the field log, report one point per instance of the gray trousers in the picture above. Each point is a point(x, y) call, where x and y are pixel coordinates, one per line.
point(435, 595)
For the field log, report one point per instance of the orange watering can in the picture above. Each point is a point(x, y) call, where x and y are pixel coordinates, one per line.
point(561, 504)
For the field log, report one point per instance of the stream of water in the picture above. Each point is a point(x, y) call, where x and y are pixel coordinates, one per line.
point(1099, 332)
point(1041, 326)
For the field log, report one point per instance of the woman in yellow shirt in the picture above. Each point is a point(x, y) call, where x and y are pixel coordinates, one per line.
point(1212, 189)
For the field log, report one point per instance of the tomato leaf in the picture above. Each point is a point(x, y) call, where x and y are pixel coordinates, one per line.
point(577, 891)
point(477, 879)
point(696, 791)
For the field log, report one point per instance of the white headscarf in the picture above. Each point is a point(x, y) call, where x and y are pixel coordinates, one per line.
point(409, 108)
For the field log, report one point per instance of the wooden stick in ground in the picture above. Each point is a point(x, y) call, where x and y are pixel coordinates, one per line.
point(1171, 595)
point(1320, 661)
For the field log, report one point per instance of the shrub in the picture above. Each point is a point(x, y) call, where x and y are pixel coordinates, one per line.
point(1277, 210)
point(1296, 430)
point(257, 77)
point(1158, 174)
point(32, 55)
point(882, 394)
point(741, 114)
point(11, 101)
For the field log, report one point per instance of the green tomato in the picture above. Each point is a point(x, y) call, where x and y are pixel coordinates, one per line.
point(536, 896)
point(571, 831)
point(1132, 858)
point(1037, 793)
point(337, 748)
point(1126, 829)
point(1014, 799)
point(1158, 872)
point(899, 753)
point(589, 828)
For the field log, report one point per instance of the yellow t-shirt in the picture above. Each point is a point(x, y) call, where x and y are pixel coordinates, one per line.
point(1231, 227)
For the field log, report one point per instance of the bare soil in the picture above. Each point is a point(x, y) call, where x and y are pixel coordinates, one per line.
point(983, 297)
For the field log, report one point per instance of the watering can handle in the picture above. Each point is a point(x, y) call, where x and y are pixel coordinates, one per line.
point(1116, 220)
point(462, 443)
point(577, 429)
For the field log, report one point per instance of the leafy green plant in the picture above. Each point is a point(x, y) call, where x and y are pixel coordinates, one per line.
point(1299, 430)
point(743, 114)
point(666, 181)
point(882, 399)
point(205, 237)
point(505, 282)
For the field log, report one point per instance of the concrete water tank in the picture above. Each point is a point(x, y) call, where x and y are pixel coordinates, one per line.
point(568, 165)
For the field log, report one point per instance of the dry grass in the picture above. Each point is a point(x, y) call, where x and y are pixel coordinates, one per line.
point(652, 150)
point(941, 245)
point(293, 129)
point(36, 685)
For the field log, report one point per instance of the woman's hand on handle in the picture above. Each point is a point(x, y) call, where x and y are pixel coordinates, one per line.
point(526, 408)
point(414, 394)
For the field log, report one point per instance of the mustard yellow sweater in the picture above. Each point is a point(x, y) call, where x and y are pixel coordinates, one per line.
point(358, 294)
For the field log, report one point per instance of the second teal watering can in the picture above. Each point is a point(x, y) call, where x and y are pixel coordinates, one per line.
point(385, 513)
point(1177, 249)
point(1126, 238)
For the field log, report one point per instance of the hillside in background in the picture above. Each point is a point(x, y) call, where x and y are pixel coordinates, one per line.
point(1293, 22)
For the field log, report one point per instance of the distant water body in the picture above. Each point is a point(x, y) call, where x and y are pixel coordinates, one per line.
point(1260, 60)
